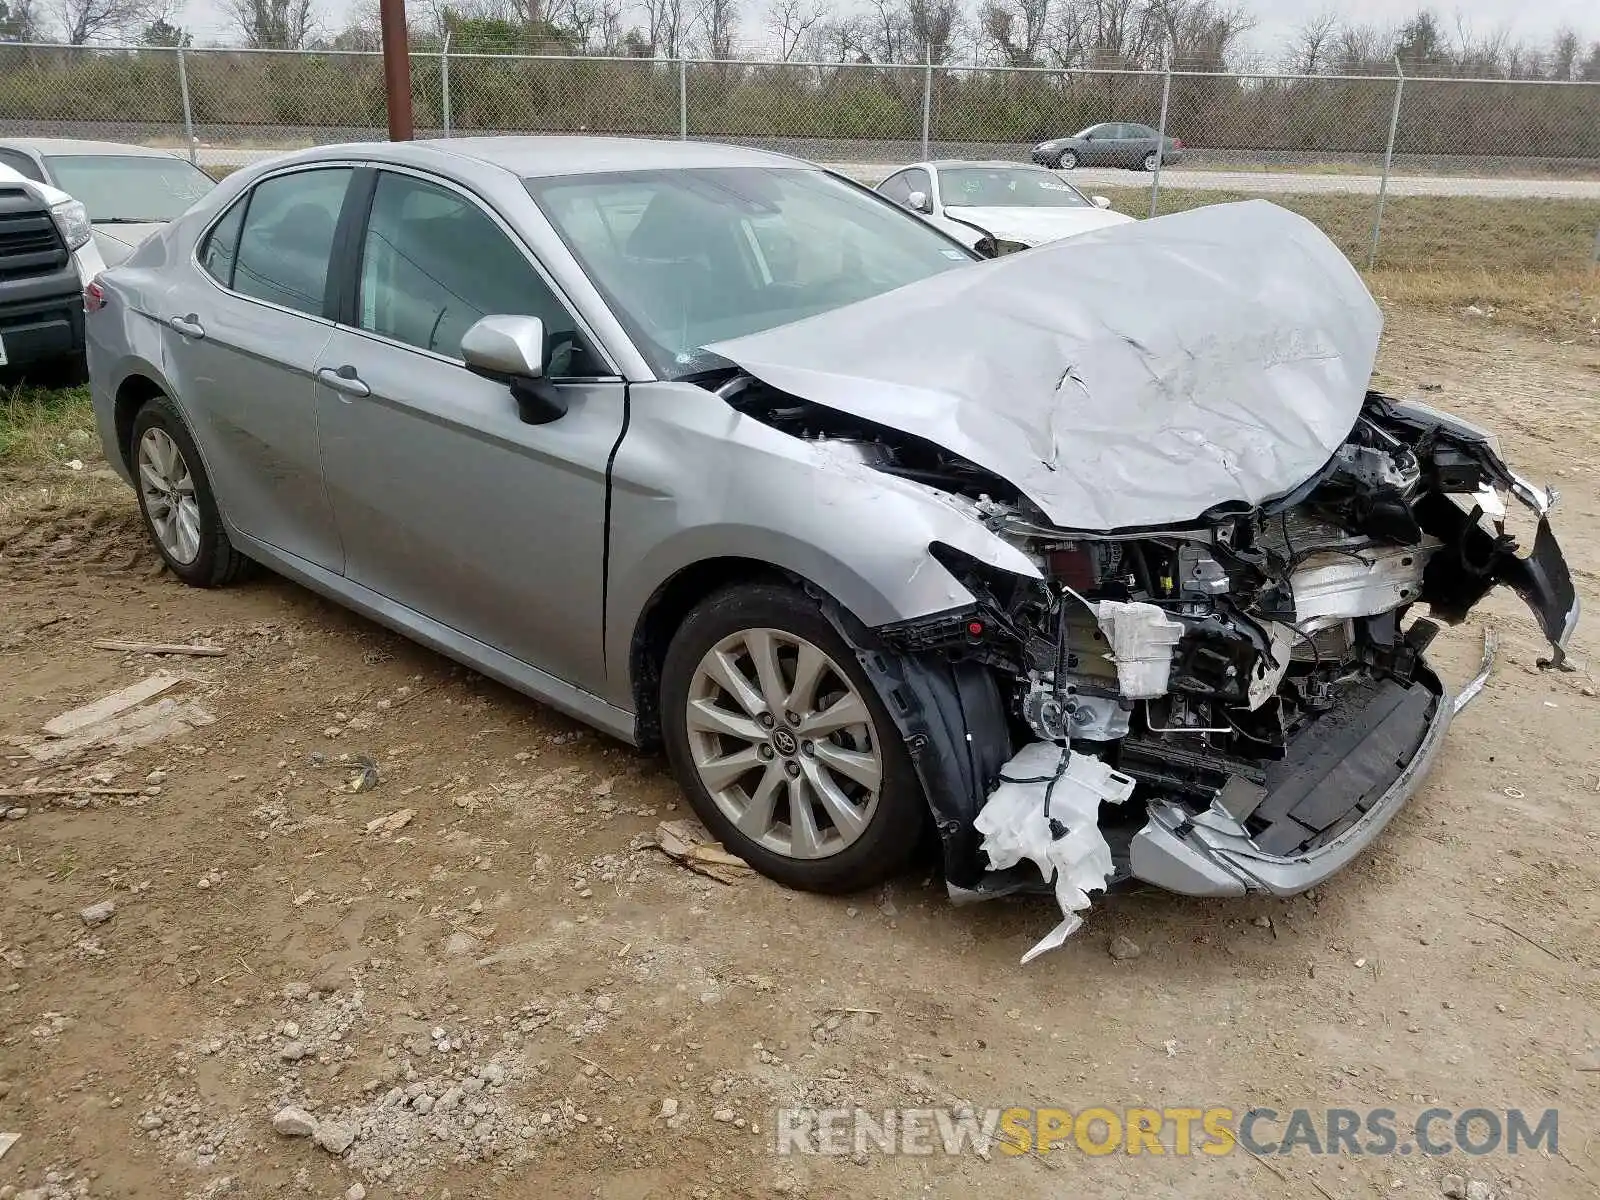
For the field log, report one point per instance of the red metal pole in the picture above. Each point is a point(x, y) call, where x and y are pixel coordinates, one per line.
point(396, 68)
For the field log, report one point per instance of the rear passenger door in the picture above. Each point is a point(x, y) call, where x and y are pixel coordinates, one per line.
point(1140, 140)
point(1101, 148)
point(447, 503)
point(242, 335)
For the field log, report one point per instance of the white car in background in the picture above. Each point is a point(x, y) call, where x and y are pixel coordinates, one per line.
point(129, 191)
point(47, 257)
point(1013, 205)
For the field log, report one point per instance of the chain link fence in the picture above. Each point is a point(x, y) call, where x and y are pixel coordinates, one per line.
point(1356, 153)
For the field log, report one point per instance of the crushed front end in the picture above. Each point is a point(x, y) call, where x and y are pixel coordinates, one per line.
point(1257, 678)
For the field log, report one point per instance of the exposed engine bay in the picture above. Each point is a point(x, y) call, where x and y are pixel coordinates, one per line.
point(1257, 673)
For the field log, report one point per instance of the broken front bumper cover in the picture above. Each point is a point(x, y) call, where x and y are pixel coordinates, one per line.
point(1212, 854)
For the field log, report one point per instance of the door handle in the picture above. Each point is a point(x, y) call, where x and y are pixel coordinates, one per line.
point(343, 380)
point(189, 326)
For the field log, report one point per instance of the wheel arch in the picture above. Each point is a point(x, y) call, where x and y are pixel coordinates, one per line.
point(135, 391)
point(664, 612)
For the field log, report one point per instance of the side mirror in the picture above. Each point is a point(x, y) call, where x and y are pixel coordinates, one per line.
point(511, 350)
point(1089, 137)
point(1101, 201)
point(920, 202)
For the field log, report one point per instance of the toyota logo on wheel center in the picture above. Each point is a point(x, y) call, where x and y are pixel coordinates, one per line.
point(784, 742)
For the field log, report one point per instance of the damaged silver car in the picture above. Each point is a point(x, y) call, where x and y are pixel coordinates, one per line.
point(1100, 562)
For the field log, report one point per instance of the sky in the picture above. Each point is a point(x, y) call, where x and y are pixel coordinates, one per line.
point(1276, 19)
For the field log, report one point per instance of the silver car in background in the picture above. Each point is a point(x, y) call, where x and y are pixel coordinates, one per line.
point(724, 454)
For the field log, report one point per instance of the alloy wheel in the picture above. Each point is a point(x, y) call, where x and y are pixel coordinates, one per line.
point(784, 743)
point(167, 486)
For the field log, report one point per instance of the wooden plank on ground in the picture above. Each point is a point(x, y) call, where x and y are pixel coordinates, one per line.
point(159, 648)
point(109, 706)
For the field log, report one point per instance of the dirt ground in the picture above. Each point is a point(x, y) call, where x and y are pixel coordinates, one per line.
point(517, 955)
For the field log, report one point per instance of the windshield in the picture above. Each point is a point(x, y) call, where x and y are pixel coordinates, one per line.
point(1007, 187)
point(129, 188)
point(691, 257)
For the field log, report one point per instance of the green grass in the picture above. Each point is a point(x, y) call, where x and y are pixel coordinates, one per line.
point(47, 426)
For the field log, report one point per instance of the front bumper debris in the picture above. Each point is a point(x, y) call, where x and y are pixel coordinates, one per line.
point(1352, 784)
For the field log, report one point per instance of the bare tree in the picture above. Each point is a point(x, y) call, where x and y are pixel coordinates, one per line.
point(934, 26)
point(272, 24)
point(718, 22)
point(1311, 45)
point(666, 29)
point(1202, 34)
point(1564, 54)
point(596, 25)
point(1590, 71)
point(19, 21)
point(1016, 30)
point(795, 23)
point(91, 20)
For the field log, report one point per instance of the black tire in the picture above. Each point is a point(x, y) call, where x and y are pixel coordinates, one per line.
point(1150, 161)
point(1067, 162)
point(893, 832)
point(217, 563)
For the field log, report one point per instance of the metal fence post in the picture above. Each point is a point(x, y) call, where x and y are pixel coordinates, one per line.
point(444, 82)
point(683, 99)
point(188, 113)
point(1161, 128)
point(1388, 160)
point(927, 97)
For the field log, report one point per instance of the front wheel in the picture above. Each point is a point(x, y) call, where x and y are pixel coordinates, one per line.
point(1067, 161)
point(782, 746)
point(1152, 161)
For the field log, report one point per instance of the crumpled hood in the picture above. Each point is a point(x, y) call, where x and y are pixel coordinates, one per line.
point(1036, 226)
point(1134, 376)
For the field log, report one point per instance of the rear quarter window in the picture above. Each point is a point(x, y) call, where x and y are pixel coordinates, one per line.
point(221, 245)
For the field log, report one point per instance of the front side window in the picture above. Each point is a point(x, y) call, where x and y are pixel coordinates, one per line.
point(129, 189)
point(1007, 187)
point(287, 239)
point(687, 258)
point(434, 264)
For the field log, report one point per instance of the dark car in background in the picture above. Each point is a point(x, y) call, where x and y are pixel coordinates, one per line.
point(1109, 144)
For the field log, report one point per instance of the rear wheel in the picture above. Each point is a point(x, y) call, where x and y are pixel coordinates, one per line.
point(175, 498)
point(782, 746)
point(1067, 161)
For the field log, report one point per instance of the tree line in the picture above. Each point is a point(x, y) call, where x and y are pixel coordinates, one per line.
point(822, 83)
point(1198, 35)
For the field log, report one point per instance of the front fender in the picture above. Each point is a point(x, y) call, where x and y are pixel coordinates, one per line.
point(694, 480)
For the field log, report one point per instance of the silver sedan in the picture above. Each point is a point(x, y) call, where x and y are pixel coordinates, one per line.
point(724, 454)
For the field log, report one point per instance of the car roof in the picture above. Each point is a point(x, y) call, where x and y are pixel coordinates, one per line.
point(568, 155)
point(64, 147)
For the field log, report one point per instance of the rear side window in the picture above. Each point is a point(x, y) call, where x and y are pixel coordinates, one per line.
point(217, 252)
point(897, 188)
point(286, 240)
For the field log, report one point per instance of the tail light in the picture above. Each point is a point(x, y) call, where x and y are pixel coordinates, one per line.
point(94, 296)
point(1177, 143)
